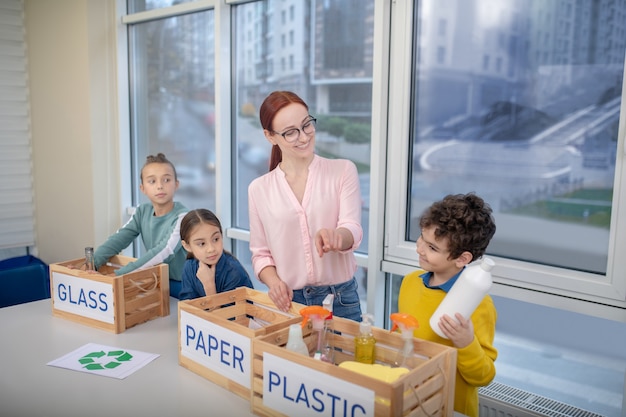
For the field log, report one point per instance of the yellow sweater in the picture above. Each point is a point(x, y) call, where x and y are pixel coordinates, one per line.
point(475, 362)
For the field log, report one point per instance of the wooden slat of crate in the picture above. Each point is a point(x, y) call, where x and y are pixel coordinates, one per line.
point(119, 305)
point(135, 287)
point(232, 310)
point(427, 390)
point(146, 295)
point(155, 280)
point(247, 302)
point(142, 315)
point(146, 300)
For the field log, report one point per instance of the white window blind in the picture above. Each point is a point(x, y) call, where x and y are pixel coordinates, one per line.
point(16, 185)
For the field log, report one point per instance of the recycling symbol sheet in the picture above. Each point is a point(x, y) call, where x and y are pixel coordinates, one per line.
point(103, 360)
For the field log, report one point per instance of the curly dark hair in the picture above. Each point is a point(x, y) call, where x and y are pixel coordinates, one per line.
point(465, 220)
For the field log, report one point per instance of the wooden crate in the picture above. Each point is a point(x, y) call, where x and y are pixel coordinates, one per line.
point(286, 383)
point(215, 334)
point(108, 302)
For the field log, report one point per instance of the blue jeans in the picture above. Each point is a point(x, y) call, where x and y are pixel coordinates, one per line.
point(346, 305)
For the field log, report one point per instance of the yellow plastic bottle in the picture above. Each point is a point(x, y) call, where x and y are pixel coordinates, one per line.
point(365, 343)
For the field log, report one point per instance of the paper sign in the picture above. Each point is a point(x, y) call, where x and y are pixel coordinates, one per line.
point(104, 360)
point(217, 348)
point(297, 390)
point(84, 297)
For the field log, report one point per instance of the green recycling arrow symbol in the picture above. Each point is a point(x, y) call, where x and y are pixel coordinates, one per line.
point(95, 361)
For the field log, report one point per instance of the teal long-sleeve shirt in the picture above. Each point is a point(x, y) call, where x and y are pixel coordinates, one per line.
point(160, 236)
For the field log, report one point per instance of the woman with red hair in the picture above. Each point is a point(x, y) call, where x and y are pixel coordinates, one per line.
point(305, 214)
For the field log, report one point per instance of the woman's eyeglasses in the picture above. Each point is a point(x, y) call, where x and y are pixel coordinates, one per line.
point(292, 135)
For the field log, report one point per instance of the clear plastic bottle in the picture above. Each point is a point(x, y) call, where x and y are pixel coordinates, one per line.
point(89, 259)
point(466, 293)
point(407, 325)
point(317, 315)
point(295, 342)
point(405, 352)
point(365, 343)
point(328, 350)
point(319, 334)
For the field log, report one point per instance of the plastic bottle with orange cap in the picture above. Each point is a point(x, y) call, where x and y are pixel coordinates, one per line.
point(318, 315)
point(406, 323)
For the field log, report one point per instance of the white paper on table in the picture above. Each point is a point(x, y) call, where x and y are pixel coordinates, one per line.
point(104, 360)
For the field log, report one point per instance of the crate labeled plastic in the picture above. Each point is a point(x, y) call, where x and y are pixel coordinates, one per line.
point(215, 335)
point(102, 300)
point(286, 383)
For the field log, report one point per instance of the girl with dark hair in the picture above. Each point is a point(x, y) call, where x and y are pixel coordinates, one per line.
point(305, 214)
point(209, 269)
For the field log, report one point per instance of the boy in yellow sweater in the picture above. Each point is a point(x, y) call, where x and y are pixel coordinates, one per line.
point(454, 232)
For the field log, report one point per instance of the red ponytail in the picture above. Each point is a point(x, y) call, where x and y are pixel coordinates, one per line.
point(276, 157)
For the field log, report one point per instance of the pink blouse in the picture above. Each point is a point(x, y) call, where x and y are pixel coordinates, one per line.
point(282, 230)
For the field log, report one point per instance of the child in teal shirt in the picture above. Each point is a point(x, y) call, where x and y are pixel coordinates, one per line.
point(157, 222)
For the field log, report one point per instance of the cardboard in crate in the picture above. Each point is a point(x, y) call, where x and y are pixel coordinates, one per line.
point(215, 334)
point(286, 383)
point(112, 303)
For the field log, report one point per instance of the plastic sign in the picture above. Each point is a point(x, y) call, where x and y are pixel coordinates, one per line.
point(219, 349)
point(297, 390)
point(84, 297)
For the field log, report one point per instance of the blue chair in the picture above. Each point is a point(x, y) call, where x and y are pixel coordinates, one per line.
point(23, 279)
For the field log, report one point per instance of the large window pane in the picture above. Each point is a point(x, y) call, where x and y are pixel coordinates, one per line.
point(519, 100)
point(172, 84)
point(322, 50)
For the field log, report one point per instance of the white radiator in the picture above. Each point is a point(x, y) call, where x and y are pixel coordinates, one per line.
point(500, 400)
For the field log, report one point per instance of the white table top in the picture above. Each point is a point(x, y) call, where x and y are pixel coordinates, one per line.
point(31, 337)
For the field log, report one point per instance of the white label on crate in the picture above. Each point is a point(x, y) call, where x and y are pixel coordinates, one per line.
point(221, 350)
point(297, 390)
point(84, 297)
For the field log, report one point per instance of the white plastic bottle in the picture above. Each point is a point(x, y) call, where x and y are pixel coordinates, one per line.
point(466, 293)
point(295, 343)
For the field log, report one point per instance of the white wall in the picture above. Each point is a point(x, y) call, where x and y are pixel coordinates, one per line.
point(71, 53)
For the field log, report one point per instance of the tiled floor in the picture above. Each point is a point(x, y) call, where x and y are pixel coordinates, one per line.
point(589, 382)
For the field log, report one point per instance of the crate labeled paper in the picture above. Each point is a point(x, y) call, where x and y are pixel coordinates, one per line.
point(112, 303)
point(286, 383)
point(215, 334)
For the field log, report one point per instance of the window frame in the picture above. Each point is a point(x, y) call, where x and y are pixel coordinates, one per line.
point(598, 295)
